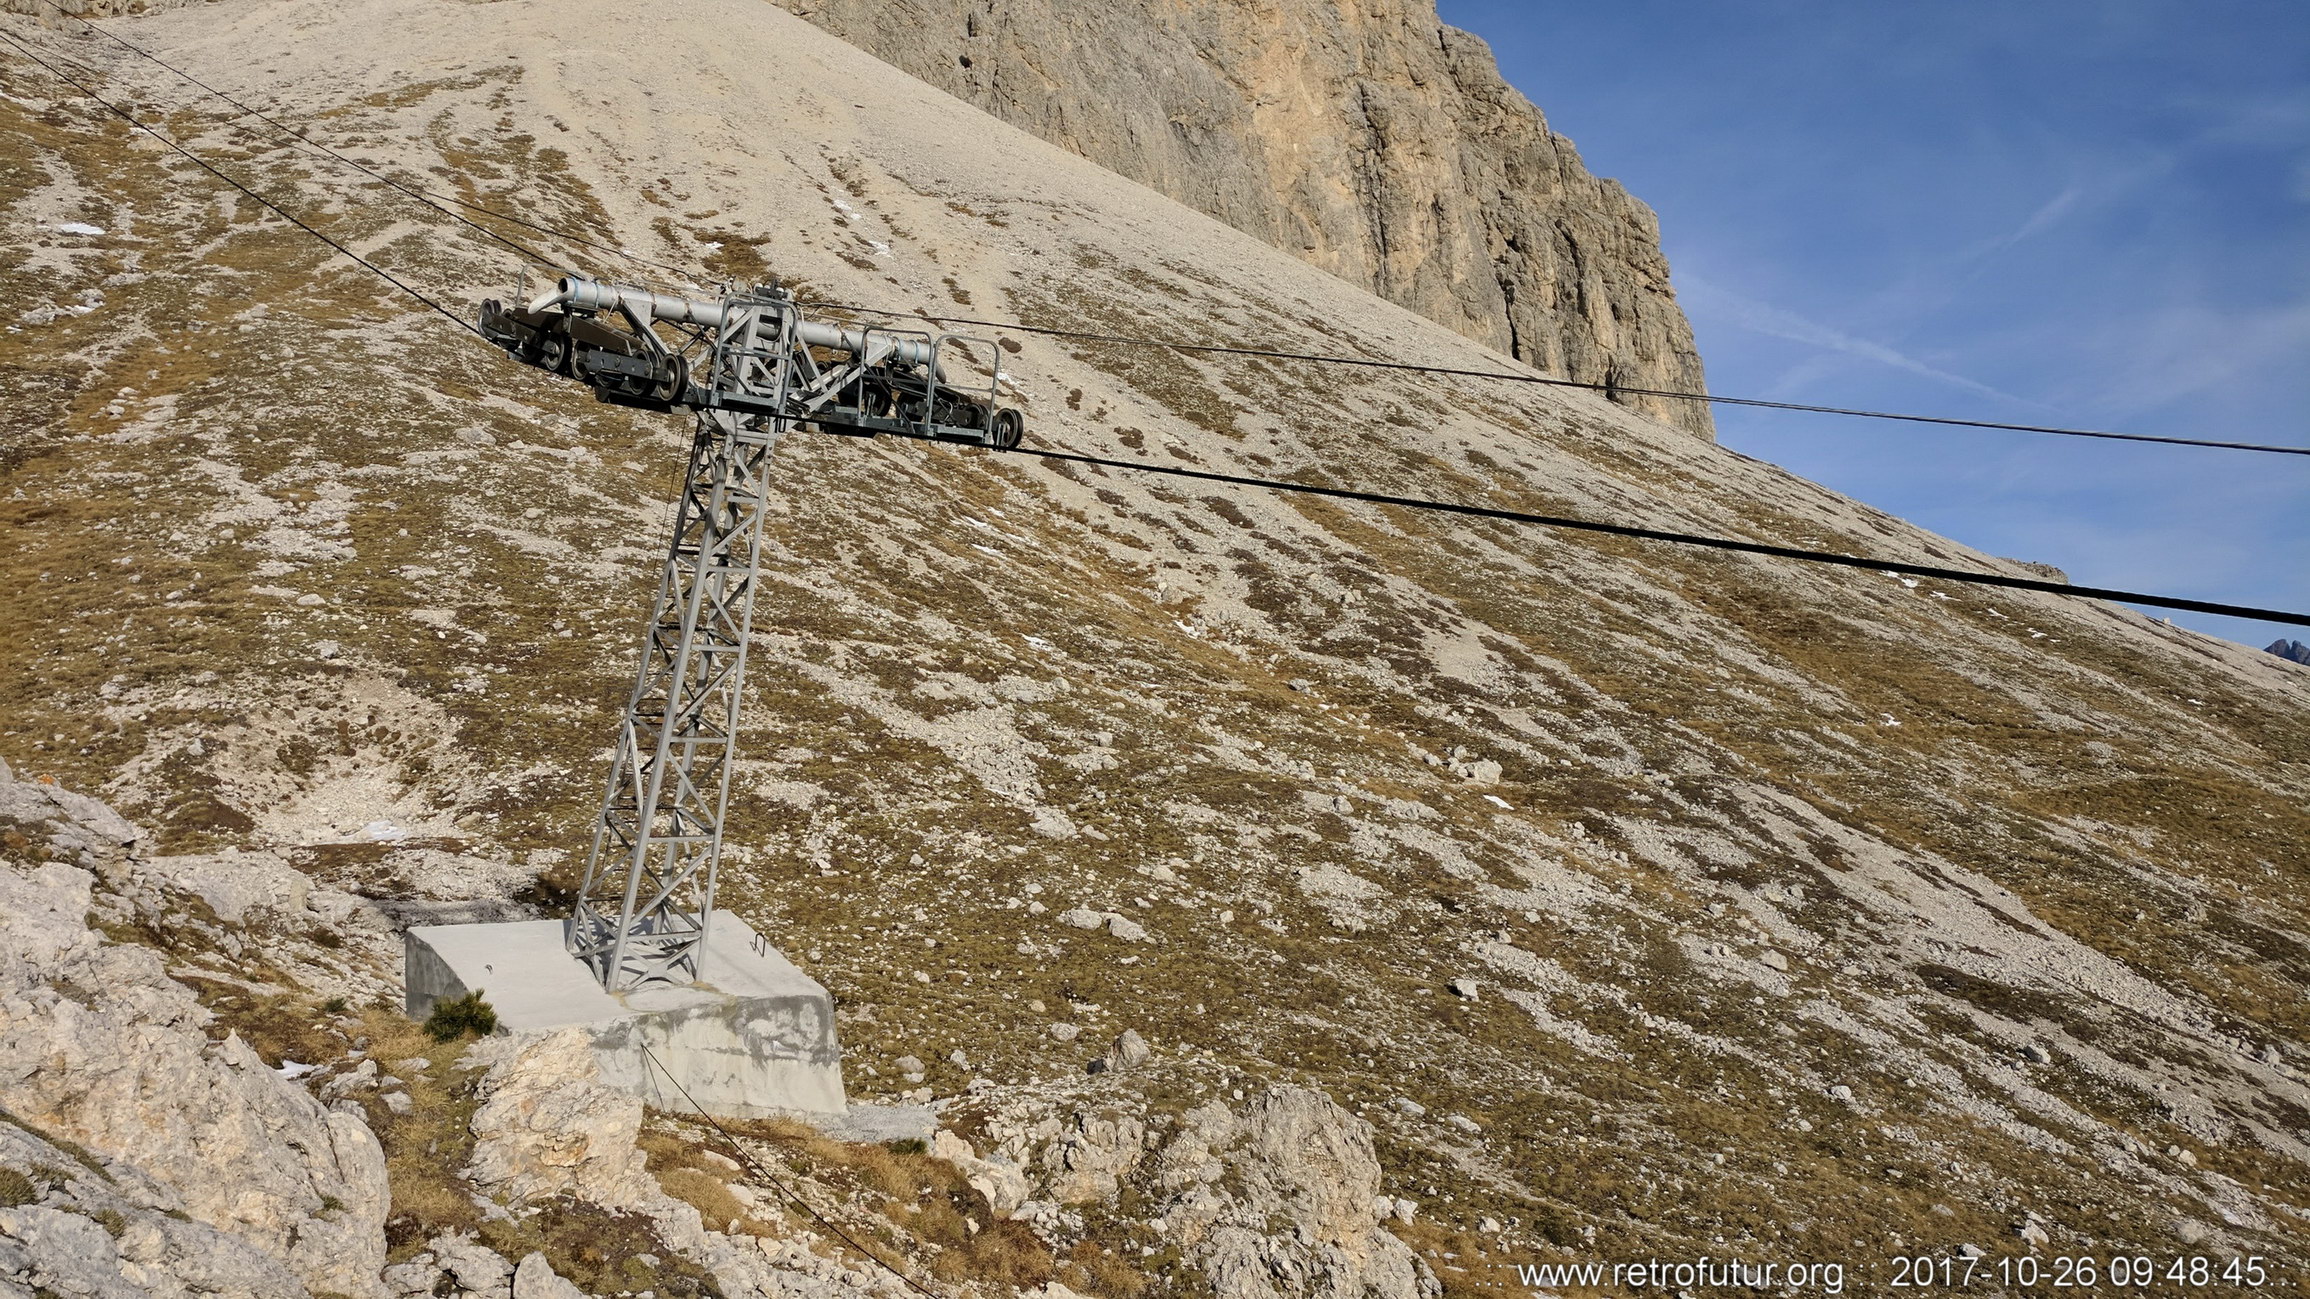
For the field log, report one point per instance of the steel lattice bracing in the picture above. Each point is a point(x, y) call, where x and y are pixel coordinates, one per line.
point(752, 366)
point(648, 895)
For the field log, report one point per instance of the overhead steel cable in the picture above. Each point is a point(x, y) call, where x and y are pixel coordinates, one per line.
point(277, 210)
point(1962, 576)
point(1610, 389)
point(1507, 376)
point(1957, 575)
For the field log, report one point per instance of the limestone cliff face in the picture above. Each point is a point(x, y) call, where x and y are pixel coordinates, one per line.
point(1366, 138)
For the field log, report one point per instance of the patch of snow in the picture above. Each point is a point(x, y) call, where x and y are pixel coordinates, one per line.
point(79, 228)
point(1495, 798)
point(383, 832)
point(292, 1071)
point(988, 549)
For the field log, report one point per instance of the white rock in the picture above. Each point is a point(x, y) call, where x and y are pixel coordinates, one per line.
point(1002, 1182)
point(1773, 960)
point(1409, 1106)
point(1066, 1032)
point(1841, 1093)
point(1081, 918)
point(1464, 986)
point(536, 1279)
point(547, 1125)
point(475, 1266)
point(1464, 1123)
point(1127, 929)
point(128, 1071)
point(362, 1077)
point(1128, 1051)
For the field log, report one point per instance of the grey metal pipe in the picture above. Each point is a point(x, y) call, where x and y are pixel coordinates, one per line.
point(593, 295)
point(854, 341)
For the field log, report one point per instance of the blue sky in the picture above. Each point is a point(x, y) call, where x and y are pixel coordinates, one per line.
point(2090, 213)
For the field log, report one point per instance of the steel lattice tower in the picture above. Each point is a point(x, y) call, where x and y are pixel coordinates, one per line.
point(762, 367)
point(648, 895)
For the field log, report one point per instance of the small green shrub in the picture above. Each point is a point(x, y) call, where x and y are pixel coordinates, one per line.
point(16, 1189)
point(334, 1006)
point(458, 1016)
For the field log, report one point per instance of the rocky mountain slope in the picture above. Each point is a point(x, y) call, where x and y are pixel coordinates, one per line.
point(1369, 139)
point(1474, 894)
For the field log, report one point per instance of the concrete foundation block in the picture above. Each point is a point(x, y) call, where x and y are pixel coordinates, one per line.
point(753, 1038)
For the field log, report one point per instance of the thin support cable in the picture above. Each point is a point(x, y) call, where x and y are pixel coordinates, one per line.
point(1956, 575)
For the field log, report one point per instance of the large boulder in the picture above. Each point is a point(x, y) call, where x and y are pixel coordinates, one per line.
point(1281, 1201)
point(1277, 1199)
point(548, 1125)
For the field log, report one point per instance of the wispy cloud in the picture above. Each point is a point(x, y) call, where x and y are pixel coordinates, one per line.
point(2048, 215)
point(2184, 351)
point(1707, 300)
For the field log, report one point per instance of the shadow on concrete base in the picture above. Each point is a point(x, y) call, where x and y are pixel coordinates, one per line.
point(753, 1038)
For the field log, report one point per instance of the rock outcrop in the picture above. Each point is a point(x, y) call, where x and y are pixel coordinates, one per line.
point(100, 1047)
point(2293, 651)
point(548, 1126)
point(1294, 1206)
point(72, 1225)
point(1370, 140)
point(1277, 1199)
